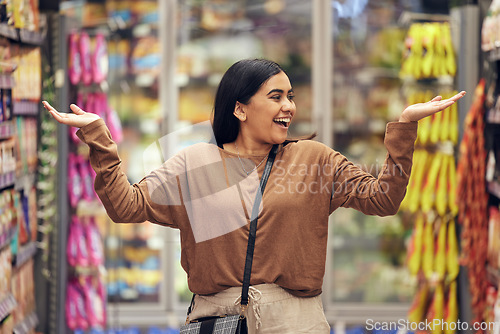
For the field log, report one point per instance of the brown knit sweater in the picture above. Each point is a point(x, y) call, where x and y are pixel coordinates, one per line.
point(205, 193)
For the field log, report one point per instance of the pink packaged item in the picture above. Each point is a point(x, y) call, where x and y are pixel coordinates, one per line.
point(72, 244)
point(74, 61)
point(112, 120)
point(94, 243)
point(87, 180)
point(72, 129)
point(94, 305)
point(81, 314)
point(82, 255)
point(71, 307)
point(84, 44)
point(100, 59)
point(74, 181)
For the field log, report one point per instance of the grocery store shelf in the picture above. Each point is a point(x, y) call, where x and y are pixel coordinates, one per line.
point(6, 81)
point(494, 188)
point(7, 304)
point(7, 179)
point(26, 108)
point(493, 275)
point(7, 129)
point(374, 126)
point(6, 237)
point(494, 54)
point(27, 324)
point(25, 182)
point(25, 253)
point(22, 35)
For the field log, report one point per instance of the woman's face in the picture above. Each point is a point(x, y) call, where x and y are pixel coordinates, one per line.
point(270, 111)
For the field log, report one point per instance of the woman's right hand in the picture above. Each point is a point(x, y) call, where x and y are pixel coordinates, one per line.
point(78, 118)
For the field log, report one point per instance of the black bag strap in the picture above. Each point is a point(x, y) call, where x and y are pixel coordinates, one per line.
point(252, 233)
point(253, 229)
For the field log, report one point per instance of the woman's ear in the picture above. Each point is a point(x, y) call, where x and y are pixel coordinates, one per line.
point(239, 112)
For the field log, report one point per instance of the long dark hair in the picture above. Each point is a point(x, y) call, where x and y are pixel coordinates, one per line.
point(240, 82)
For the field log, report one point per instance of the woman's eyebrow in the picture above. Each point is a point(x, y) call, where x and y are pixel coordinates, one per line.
point(276, 90)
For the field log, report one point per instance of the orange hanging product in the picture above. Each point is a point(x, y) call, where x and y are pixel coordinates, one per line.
point(420, 175)
point(451, 310)
point(419, 305)
point(436, 127)
point(452, 264)
point(435, 313)
point(442, 187)
point(425, 123)
point(440, 251)
point(428, 250)
point(444, 133)
point(414, 255)
point(452, 186)
point(429, 188)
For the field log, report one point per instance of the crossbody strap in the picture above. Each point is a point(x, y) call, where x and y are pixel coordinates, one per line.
point(253, 229)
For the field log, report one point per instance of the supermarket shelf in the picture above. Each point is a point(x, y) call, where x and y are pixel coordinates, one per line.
point(7, 129)
point(493, 116)
point(8, 31)
point(494, 188)
point(26, 108)
point(25, 182)
point(25, 253)
point(494, 54)
point(6, 81)
point(7, 179)
point(7, 305)
point(27, 324)
point(22, 35)
point(493, 275)
point(6, 237)
point(90, 209)
point(375, 126)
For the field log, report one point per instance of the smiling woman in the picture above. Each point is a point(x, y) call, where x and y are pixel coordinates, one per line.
point(209, 192)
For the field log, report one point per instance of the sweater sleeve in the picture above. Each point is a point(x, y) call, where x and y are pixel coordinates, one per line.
point(124, 203)
point(382, 195)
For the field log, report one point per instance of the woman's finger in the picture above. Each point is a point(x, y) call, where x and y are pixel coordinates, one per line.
point(437, 98)
point(76, 109)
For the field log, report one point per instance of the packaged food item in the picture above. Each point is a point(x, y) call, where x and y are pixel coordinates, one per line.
point(74, 61)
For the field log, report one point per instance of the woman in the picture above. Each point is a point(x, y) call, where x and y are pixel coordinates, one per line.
point(206, 191)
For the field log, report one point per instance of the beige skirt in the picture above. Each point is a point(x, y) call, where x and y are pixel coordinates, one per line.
point(271, 309)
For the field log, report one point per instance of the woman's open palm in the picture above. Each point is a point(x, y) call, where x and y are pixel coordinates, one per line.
point(416, 112)
point(78, 118)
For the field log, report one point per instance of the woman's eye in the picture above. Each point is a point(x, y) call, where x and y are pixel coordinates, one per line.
point(276, 97)
point(291, 97)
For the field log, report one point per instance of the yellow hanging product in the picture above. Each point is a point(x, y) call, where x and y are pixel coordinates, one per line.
point(417, 310)
point(428, 42)
point(424, 124)
point(416, 189)
point(411, 182)
point(444, 132)
point(452, 265)
point(436, 311)
point(440, 260)
point(429, 188)
point(454, 122)
point(451, 66)
point(428, 250)
point(436, 125)
point(408, 57)
point(438, 67)
point(414, 256)
point(442, 187)
point(451, 310)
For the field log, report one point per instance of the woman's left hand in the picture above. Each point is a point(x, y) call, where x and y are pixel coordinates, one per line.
point(416, 112)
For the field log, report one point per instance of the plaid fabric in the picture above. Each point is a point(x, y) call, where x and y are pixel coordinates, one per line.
point(223, 325)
